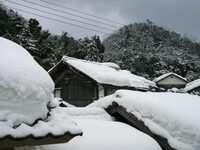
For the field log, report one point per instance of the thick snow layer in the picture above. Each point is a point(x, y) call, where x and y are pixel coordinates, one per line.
point(58, 123)
point(101, 133)
point(87, 113)
point(170, 115)
point(168, 74)
point(106, 135)
point(25, 87)
point(192, 85)
point(108, 73)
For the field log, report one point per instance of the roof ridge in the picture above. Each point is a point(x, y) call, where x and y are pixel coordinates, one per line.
point(168, 74)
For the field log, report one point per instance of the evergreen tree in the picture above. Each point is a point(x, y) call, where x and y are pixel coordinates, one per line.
point(34, 28)
point(149, 50)
point(91, 49)
point(27, 41)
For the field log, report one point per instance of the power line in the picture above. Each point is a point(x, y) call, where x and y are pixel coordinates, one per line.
point(60, 16)
point(70, 14)
point(81, 12)
point(57, 20)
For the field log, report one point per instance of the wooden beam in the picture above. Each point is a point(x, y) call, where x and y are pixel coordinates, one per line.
point(10, 142)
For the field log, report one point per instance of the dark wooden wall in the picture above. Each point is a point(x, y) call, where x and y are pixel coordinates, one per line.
point(75, 88)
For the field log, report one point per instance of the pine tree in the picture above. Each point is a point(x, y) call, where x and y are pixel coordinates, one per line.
point(91, 49)
point(34, 28)
point(27, 41)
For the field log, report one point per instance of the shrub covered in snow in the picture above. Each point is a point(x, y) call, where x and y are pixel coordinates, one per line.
point(25, 87)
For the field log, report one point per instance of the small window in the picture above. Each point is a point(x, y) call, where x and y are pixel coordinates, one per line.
point(57, 92)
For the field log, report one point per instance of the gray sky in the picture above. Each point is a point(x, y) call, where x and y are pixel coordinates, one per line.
point(181, 16)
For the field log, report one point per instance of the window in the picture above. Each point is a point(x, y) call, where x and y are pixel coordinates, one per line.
point(57, 92)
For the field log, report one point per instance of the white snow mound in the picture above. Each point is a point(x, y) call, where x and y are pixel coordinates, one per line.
point(171, 115)
point(25, 87)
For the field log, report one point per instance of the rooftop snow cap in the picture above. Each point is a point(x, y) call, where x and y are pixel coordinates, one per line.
point(25, 87)
point(168, 74)
point(109, 73)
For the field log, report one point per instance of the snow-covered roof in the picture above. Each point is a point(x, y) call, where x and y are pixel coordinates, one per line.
point(170, 115)
point(58, 123)
point(100, 132)
point(192, 85)
point(168, 74)
point(108, 73)
point(25, 86)
point(25, 90)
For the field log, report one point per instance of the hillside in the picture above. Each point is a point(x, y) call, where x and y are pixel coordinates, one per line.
point(46, 48)
point(149, 50)
point(143, 48)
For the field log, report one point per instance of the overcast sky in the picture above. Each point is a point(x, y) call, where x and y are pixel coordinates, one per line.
point(182, 16)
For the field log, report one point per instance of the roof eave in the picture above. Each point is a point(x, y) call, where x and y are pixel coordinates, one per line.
point(10, 142)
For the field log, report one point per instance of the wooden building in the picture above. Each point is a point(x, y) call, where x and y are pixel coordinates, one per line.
point(80, 82)
point(170, 80)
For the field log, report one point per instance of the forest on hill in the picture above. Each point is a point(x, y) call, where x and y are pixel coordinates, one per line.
point(145, 49)
point(46, 48)
point(150, 50)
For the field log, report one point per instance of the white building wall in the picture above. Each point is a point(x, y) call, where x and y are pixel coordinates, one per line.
point(173, 80)
point(101, 91)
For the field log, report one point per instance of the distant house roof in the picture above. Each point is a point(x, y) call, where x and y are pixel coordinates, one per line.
point(167, 75)
point(107, 73)
point(192, 85)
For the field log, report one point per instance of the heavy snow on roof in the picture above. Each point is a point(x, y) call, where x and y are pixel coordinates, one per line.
point(108, 73)
point(57, 124)
point(25, 90)
point(168, 74)
point(25, 86)
point(100, 132)
point(192, 85)
point(170, 115)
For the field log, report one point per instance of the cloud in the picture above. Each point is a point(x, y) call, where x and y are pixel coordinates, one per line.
point(181, 16)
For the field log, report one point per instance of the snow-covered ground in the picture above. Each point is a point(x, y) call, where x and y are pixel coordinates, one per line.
point(170, 115)
point(101, 133)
